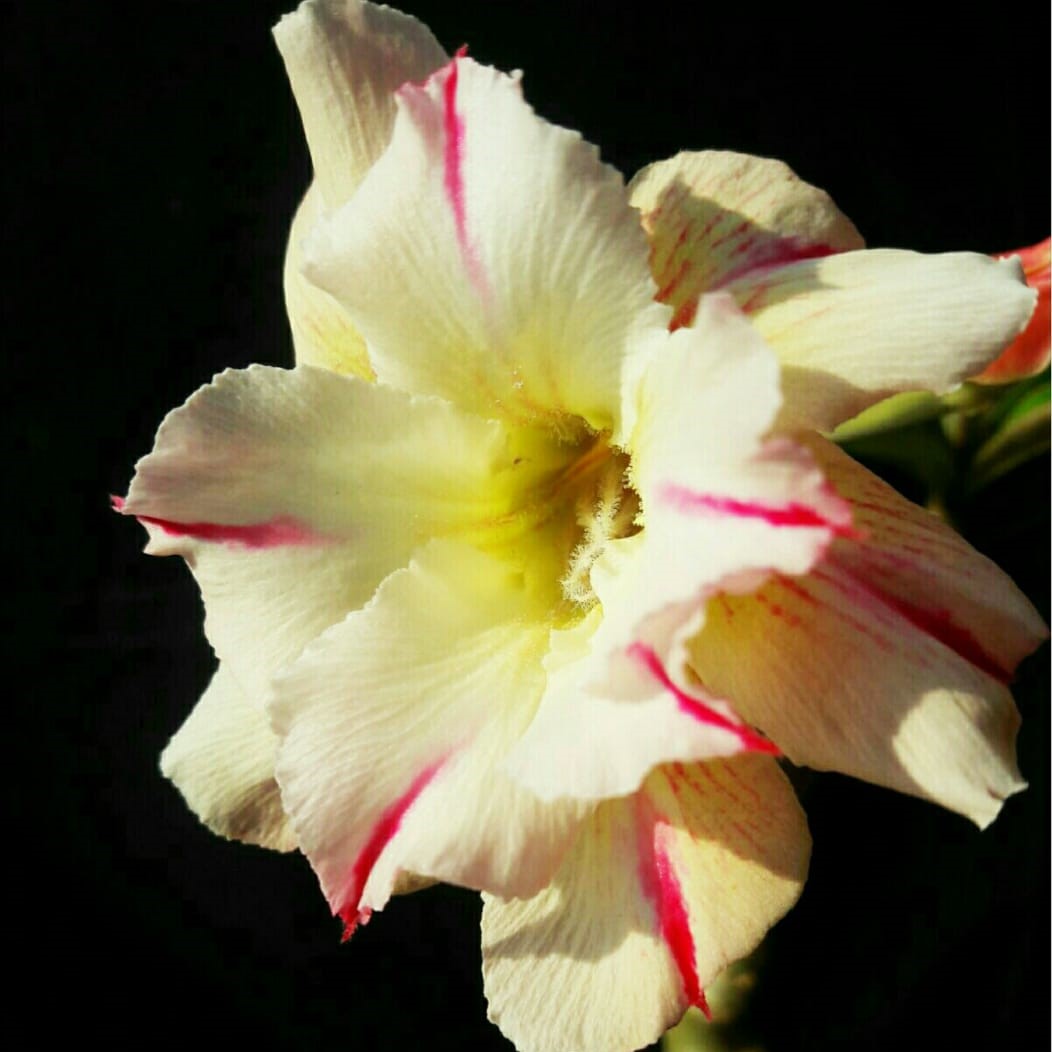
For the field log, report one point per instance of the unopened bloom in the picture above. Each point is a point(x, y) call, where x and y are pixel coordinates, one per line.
point(532, 596)
point(1029, 352)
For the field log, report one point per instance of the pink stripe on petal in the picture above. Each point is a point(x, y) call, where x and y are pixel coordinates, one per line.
point(939, 624)
point(661, 885)
point(386, 826)
point(697, 709)
point(454, 174)
point(676, 930)
point(772, 256)
point(791, 515)
point(275, 533)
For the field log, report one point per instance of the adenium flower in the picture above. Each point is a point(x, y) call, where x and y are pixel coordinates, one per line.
point(528, 572)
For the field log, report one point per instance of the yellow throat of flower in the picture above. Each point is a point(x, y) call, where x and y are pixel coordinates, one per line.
point(557, 528)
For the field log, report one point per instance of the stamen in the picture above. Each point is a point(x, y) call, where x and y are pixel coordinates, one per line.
point(604, 514)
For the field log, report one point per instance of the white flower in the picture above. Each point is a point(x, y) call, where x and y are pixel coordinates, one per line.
point(530, 599)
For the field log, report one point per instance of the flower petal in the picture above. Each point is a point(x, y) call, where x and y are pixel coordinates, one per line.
point(1029, 353)
point(718, 498)
point(713, 215)
point(606, 721)
point(660, 893)
point(722, 509)
point(222, 761)
point(888, 661)
point(394, 726)
point(490, 258)
point(851, 329)
point(345, 59)
point(292, 494)
point(322, 334)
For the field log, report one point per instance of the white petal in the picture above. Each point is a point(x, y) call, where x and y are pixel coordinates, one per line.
point(345, 59)
point(292, 494)
point(395, 725)
point(888, 661)
point(222, 761)
point(713, 216)
point(661, 892)
point(322, 334)
point(722, 509)
point(491, 259)
point(854, 328)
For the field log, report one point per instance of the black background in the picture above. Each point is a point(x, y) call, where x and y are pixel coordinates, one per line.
point(154, 162)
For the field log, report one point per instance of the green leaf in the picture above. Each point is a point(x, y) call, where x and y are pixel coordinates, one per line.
point(1024, 433)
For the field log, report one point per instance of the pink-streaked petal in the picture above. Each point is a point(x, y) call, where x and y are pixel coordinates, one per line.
point(660, 893)
point(888, 661)
point(490, 258)
point(801, 516)
point(1029, 353)
point(853, 328)
point(713, 216)
point(944, 584)
point(293, 493)
point(607, 720)
point(700, 449)
point(395, 725)
point(280, 532)
point(696, 708)
point(345, 59)
point(348, 900)
point(722, 508)
point(222, 761)
point(719, 499)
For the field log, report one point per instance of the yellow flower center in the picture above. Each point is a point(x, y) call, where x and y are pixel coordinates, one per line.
point(560, 504)
point(560, 524)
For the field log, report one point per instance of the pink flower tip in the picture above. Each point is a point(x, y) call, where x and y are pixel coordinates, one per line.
point(351, 920)
point(704, 1006)
point(1029, 353)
